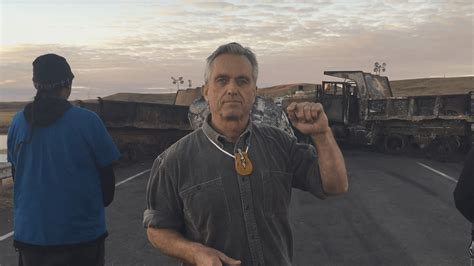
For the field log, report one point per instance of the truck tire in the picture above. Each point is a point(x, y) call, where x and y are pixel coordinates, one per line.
point(395, 144)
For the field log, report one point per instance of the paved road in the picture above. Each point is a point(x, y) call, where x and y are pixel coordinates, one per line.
point(397, 212)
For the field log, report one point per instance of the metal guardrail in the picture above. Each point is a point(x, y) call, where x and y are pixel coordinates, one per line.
point(5, 171)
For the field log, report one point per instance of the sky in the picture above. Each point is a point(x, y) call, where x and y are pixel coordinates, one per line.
point(137, 46)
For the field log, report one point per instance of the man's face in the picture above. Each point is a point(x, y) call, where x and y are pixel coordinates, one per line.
point(230, 89)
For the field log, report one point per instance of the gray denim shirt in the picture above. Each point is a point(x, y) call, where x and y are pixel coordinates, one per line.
point(195, 190)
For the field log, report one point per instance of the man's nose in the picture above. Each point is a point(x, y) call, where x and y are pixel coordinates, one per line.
point(232, 88)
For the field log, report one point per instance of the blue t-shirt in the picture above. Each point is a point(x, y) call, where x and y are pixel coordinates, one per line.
point(57, 188)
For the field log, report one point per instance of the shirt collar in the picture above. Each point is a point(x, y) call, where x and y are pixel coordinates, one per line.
point(218, 138)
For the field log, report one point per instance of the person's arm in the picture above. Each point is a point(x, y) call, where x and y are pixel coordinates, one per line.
point(464, 191)
point(310, 119)
point(107, 182)
point(331, 163)
point(173, 244)
point(164, 220)
point(11, 146)
point(105, 154)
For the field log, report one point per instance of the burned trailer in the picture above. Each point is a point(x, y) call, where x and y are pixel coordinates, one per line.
point(363, 110)
point(144, 125)
point(141, 129)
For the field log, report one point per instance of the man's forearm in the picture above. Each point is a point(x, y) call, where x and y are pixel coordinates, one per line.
point(173, 244)
point(331, 163)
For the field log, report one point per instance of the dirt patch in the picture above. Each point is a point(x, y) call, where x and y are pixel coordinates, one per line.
point(6, 194)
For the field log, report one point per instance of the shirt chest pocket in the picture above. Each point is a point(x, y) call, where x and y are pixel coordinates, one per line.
point(276, 191)
point(205, 204)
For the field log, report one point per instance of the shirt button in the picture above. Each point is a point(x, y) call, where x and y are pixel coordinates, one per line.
point(243, 178)
point(198, 187)
point(247, 207)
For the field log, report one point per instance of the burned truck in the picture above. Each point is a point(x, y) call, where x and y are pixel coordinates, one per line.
point(362, 109)
point(141, 129)
point(144, 125)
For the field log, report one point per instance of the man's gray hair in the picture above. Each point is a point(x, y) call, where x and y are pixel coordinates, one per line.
point(235, 49)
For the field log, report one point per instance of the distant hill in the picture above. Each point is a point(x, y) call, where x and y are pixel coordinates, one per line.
point(432, 86)
point(12, 106)
point(407, 87)
point(282, 90)
point(164, 98)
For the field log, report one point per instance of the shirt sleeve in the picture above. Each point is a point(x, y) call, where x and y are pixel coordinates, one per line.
point(305, 168)
point(464, 191)
point(11, 142)
point(104, 150)
point(164, 207)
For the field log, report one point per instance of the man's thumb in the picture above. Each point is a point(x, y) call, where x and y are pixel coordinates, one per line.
point(227, 260)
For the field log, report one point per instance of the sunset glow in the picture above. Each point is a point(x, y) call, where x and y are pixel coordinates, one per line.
point(136, 46)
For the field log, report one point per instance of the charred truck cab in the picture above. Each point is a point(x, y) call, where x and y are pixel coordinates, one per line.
point(363, 110)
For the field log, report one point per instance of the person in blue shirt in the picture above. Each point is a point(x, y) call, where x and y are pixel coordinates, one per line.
point(62, 160)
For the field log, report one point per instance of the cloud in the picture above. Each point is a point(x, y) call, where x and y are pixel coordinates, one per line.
point(8, 81)
point(79, 88)
point(217, 6)
point(294, 42)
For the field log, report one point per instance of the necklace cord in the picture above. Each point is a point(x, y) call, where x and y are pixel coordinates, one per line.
point(224, 151)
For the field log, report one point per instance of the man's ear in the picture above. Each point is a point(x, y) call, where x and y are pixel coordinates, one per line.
point(205, 91)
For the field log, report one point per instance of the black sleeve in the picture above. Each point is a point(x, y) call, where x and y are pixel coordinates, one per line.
point(464, 191)
point(13, 173)
point(107, 184)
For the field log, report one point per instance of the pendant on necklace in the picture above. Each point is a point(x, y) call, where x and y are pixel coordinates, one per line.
point(243, 165)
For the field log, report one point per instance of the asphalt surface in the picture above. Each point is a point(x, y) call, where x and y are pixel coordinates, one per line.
point(397, 212)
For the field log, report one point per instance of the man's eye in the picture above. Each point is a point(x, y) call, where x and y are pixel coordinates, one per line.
point(221, 80)
point(242, 82)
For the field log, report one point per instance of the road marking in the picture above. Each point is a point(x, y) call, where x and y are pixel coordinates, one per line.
point(132, 177)
point(116, 185)
point(6, 236)
point(438, 172)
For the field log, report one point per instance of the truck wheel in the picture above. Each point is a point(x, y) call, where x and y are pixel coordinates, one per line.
point(395, 144)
